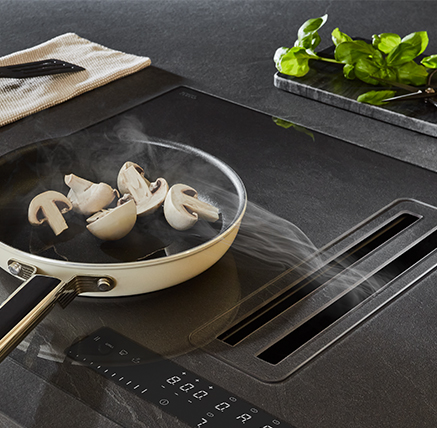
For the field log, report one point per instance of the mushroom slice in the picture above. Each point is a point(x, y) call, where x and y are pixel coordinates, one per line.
point(49, 207)
point(147, 196)
point(182, 208)
point(88, 197)
point(115, 223)
point(125, 180)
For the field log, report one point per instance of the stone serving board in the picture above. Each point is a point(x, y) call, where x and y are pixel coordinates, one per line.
point(325, 83)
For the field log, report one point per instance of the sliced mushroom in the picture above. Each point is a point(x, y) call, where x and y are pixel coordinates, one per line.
point(182, 208)
point(88, 197)
point(124, 180)
point(49, 207)
point(115, 223)
point(147, 196)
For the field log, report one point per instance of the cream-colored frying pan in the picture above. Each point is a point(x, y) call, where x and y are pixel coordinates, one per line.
point(151, 257)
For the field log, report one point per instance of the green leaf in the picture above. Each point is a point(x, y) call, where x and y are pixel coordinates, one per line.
point(412, 73)
point(339, 37)
point(292, 61)
point(351, 52)
point(430, 61)
point(419, 38)
point(410, 47)
point(348, 71)
point(282, 122)
point(378, 58)
point(286, 124)
point(376, 97)
point(385, 42)
point(307, 36)
point(365, 68)
point(387, 73)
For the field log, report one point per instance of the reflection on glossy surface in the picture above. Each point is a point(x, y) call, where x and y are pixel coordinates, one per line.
point(162, 320)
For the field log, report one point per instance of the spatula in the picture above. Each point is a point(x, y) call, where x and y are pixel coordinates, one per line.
point(38, 68)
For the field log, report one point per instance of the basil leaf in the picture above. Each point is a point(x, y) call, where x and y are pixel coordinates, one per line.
point(307, 36)
point(385, 42)
point(388, 74)
point(339, 37)
point(378, 58)
point(412, 73)
point(292, 61)
point(418, 38)
point(351, 52)
point(282, 122)
point(430, 61)
point(286, 124)
point(410, 47)
point(376, 97)
point(365, 68)
point(348, 71)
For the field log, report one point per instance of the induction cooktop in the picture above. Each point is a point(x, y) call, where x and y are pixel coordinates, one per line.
point(325, 217)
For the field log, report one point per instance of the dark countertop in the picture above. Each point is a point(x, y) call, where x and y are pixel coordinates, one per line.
point(224, 48)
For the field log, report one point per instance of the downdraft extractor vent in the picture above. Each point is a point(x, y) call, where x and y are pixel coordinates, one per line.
point(270, 335)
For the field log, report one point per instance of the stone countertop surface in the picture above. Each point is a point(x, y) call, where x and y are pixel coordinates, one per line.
point(224, 48)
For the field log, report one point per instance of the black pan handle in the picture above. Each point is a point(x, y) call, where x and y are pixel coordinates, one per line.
point(25, 308)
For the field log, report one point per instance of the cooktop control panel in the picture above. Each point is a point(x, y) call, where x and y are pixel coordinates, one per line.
point(177, 391)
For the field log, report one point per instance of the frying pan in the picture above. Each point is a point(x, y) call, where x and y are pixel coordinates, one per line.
point(151, 257)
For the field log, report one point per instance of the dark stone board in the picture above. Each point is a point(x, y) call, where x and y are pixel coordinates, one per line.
point(325, 83)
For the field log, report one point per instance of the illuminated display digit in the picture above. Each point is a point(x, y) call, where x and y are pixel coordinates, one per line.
point(173, 380)
point(222, 406)
point(244, 418)
point(203, 422)
point(200, 394)
point(186, 387)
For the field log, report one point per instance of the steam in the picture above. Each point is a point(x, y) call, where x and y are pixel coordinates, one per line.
point(275, 245)
point(274, 241)
point(262, 235)
point(266, 245)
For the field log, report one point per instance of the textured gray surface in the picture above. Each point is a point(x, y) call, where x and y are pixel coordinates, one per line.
point(29, 401)
point(224, 48)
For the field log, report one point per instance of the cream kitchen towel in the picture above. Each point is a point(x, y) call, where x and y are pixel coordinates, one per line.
point(22, 97)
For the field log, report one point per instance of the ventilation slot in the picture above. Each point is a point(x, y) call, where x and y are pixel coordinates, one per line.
point(292, 341)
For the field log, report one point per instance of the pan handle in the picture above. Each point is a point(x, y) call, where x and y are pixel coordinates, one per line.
point(25, 308)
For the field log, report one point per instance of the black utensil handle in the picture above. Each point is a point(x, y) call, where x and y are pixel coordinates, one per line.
point(25, 308)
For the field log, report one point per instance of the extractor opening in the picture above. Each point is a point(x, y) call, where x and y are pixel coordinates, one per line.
point(276, 352)
point(281, 303)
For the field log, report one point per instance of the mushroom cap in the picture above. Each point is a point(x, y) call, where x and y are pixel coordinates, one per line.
point(115, 223)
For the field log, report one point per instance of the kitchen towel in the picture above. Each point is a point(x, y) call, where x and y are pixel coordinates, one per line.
point(22, 97)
